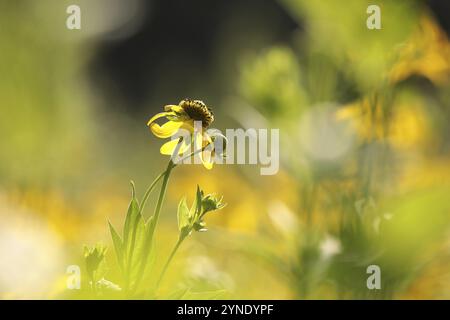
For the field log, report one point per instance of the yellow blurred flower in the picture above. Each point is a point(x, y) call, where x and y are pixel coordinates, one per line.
point(410, 127)
point(365, 116)
point(184, 116)
point(404, 126)
point(427, 53)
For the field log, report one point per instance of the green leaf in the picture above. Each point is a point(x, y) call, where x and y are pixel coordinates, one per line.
point(94, 256)
point(132, 215)
point(197, 205)
point(131, 222)
point(133, 237)
point(149, 256)
point(149, 226)
point(143, 257)
point(137, 251)
point(118, 245)
point(198, 199)
point(183, 214)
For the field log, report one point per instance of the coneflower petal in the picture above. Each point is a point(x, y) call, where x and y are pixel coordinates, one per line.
point(167, 130)
point(169, 148)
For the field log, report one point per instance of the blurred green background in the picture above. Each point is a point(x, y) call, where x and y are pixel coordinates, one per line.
point(364, 118)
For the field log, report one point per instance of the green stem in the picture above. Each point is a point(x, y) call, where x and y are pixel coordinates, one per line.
point(170, 166)
point(162, 194)
point(169, 260)
point(149, 190)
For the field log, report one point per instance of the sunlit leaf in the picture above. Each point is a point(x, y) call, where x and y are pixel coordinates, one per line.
point(183, 214)
point(118, 245)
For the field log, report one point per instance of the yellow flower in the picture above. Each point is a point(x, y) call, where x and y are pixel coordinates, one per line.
point(407, 126)
point(183, 116)
point(427, 53)
point(366, 119)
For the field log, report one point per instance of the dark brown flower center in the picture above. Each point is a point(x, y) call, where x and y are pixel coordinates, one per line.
point(198, 111)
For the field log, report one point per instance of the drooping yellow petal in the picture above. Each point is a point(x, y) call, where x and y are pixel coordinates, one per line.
point(207, 159)
point(206, 140)
point(188, 125)
point(167, 130)
point(170, 147)
point(159, 115)
point(208, 153)
point(205, 156)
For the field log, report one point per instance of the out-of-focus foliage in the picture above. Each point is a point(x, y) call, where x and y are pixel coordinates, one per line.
point(364, 128)
point(364, 140)
point(279, 70)
point(42, 125)
point(339, 31)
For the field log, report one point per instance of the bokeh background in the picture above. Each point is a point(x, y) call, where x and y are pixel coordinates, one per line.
point(364, 119)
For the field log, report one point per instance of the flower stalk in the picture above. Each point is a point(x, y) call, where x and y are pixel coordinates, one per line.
point(133, 248)
point(169, 260)
point(161, 196)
